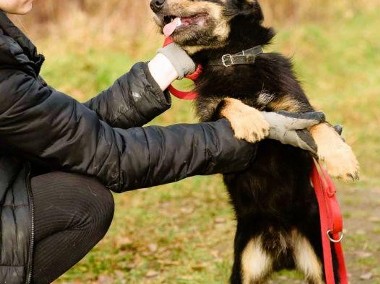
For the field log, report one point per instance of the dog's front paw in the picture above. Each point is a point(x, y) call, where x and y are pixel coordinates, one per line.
point(340, 161)
point(247, 122)
point(338, 157)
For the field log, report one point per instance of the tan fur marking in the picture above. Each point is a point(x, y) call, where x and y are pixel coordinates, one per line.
point(247, 122)
point(285, 104)
point(256, 263)
point(306, 259)
point(337, 156)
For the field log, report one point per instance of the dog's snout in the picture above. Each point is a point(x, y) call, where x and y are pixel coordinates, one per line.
point(156, 5)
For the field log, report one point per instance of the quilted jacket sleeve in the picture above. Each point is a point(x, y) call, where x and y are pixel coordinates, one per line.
point(133, 100)
point(43, 124)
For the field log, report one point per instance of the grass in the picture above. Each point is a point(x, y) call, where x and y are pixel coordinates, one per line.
point(183, 232)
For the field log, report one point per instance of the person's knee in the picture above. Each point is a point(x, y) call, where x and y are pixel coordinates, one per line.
point(90, 203)
point(106, 210)
point(100, 207)
point(83, 201)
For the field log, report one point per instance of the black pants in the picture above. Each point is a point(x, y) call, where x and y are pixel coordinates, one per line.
point(72, 213)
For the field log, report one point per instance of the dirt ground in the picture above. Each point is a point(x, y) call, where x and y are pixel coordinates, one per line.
point(361, 208)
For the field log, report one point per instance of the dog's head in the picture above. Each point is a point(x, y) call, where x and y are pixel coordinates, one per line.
point(200, 24)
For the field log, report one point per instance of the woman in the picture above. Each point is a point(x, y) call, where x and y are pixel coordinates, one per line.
point(54, 151)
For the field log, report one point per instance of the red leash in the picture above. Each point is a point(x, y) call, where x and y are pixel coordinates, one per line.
point(331, 223)
point(184, 95)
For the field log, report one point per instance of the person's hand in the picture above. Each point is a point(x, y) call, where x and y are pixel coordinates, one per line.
point(180, 60)
point(291, 128)
point(171, 62)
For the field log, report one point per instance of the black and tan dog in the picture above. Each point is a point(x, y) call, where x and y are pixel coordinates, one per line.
point(275, 205)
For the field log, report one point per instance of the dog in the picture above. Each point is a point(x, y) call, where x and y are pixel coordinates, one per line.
point(276, 209)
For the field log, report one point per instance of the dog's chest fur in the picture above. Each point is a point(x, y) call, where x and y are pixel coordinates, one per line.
point(258, 85)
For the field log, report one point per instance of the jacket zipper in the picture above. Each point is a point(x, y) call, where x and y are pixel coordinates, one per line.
point(30, 195)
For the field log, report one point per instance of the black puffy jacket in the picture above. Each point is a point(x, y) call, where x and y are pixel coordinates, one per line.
point(41, 128)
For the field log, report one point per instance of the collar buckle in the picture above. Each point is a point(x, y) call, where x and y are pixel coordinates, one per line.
point(227, 60)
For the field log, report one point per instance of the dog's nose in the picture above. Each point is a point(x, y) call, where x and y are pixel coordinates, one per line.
point(156, 5)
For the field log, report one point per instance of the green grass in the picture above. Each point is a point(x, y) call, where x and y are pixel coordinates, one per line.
point(183, 232)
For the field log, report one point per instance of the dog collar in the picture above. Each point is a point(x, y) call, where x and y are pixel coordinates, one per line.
point(247, 56)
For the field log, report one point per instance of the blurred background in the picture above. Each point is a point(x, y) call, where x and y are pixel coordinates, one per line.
point(183, 232)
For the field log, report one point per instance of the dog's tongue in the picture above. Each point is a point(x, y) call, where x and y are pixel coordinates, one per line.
point(170, 28)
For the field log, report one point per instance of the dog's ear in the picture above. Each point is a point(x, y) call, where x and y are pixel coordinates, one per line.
point(251, 6)
point(257, 10)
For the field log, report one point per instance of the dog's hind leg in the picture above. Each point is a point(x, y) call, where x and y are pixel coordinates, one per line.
point(306, 259)
point(255, 263)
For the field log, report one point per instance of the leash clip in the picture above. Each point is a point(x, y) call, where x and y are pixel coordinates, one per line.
point(227, 60)
point(331, 237)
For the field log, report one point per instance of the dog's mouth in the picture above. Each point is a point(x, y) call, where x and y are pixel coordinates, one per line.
point(175, 23)
point(201, 25)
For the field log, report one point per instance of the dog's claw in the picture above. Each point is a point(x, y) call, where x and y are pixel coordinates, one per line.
point(354, 177)
point(341, 167)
